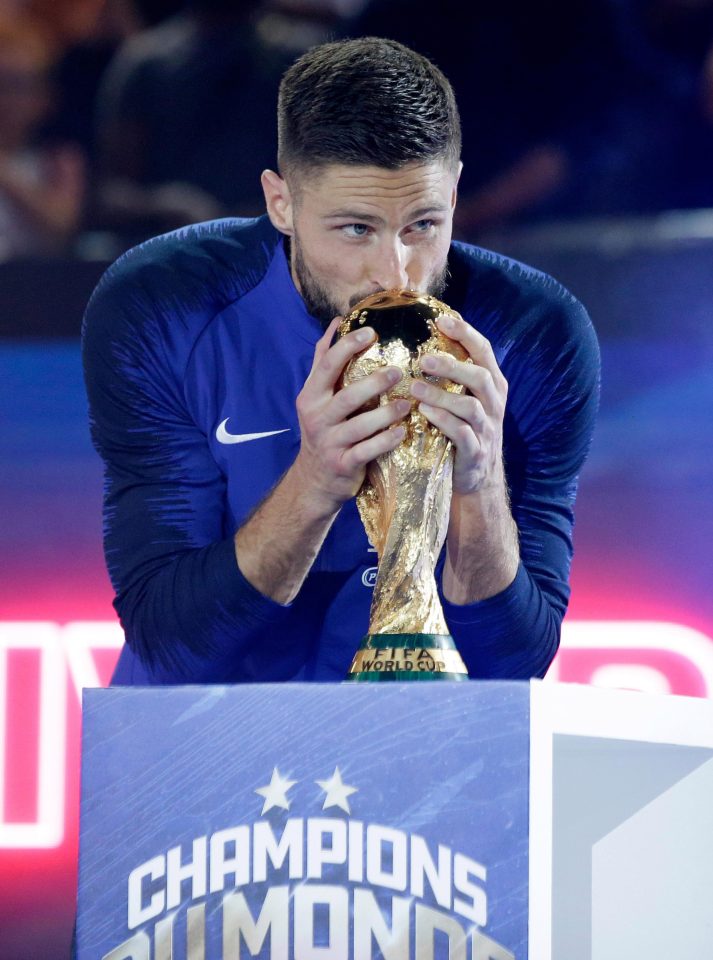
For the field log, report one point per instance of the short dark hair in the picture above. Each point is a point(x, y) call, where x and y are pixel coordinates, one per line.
point(367, 101)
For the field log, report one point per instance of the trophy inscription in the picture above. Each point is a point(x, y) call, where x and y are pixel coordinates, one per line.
point(404, 501)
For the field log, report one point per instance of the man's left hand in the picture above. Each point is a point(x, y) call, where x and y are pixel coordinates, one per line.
point(473, 420)
point(482, 556)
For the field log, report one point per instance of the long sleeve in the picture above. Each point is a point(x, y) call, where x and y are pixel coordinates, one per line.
point(549, 354)
point(188, 613)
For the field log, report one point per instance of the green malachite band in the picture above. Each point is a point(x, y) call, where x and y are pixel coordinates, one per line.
point(406, 676)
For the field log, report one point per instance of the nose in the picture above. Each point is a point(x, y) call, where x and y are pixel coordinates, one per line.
point(390, 267)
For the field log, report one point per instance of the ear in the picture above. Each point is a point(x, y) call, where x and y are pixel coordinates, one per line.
point(278, 201)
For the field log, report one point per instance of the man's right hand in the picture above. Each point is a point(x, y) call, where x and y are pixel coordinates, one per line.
point(338, 441)
point(277, 546)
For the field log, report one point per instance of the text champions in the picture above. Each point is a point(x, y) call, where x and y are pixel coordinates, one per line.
point(316, 889)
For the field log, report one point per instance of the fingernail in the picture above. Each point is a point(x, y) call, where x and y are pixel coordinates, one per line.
point(394, 375)
point(446, 323)
point(425, 408)
point(403, 407)
point(430, 364)
point(365, 335)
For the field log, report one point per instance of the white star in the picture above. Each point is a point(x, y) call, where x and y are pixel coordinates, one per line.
point(337, 792)
point(275, 793)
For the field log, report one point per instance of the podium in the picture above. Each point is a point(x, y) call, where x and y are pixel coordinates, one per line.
point(473, 821)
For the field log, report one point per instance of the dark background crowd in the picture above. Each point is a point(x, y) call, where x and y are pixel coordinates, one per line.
point(120, 119)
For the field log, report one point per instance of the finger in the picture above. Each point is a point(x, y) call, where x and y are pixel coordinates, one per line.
point(478, 347)
point(367, 424)
point(325, 341)
point(477, 379)
point(330, 363)
point(358, 394)
point(462, 435)
point(464, 406)
point(366, 451)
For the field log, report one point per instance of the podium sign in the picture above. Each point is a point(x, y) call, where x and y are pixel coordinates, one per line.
point(465, 821)
point(305, 822)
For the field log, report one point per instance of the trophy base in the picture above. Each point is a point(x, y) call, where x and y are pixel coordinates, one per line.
point(406, 656)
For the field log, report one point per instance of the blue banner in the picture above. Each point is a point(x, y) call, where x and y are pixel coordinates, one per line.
point(314, 822)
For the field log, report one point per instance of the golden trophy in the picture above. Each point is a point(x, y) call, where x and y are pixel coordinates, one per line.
point(405, 499)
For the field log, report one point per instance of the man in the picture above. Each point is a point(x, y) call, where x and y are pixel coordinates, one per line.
point(213, 385)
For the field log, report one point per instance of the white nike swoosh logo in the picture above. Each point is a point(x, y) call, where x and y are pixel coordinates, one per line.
point(222, 435)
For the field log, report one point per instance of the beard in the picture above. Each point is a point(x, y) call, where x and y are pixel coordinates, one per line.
point(320, 301)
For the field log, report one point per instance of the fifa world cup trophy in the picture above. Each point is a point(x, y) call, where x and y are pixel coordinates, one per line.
point(404, 501)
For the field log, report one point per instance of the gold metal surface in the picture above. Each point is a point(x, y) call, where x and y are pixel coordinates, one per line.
point(405, 500)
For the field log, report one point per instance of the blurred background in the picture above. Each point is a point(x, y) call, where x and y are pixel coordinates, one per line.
point(588, 153)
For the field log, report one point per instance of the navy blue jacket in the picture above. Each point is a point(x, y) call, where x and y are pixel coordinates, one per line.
point(204, 326)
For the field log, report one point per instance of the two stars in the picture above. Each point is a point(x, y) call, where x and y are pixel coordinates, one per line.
point(275, 793)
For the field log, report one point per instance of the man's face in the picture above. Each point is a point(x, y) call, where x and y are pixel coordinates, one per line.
point(361, 229)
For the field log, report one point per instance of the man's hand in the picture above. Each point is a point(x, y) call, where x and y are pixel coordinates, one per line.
point(277, 546)
point(473, 420)
point(337, 440)
point(483, 555)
